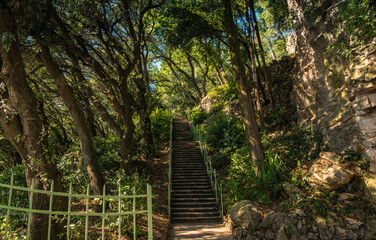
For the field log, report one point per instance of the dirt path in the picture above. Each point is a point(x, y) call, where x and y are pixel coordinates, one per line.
point(199, 231)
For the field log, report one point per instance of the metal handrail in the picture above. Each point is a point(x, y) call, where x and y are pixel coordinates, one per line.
point(208, 163)
point(169, 166)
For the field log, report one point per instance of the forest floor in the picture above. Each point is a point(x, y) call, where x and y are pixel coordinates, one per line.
point(157, 168)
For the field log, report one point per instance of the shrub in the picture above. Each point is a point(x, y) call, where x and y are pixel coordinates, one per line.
point(197, 116)
point(160, 124)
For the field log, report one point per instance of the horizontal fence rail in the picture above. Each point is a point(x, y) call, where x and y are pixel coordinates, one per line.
point(118, 211)
point(208, 163)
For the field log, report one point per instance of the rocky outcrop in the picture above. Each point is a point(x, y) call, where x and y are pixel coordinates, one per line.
point(327, 174)
point(334, 95)
point(299, 225)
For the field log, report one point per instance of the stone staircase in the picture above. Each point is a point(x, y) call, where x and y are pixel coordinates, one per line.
point(192, 197)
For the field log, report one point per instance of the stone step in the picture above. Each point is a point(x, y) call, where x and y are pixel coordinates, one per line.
point(192, 184)
point(185, 187)
point(195, 209)
point(194, 195)
point(193, 204)
point(210, 219)
point(192, 191)
point(192, 200)
point(190, 177)
point(187, 174)
point(195, 214)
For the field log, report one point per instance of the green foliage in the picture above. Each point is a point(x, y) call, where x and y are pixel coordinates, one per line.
point(292, 146)
point(360, 19)
point(71, 166)
point(12, 234)
point(276, 118)
point(350, 156)
point(160, 124)
point(226, 135)
point(19, 198)
point(245, 183)
point(185, 21)
point(197, 116)
point(221, 95)
point(108, 152)
point(6, 40)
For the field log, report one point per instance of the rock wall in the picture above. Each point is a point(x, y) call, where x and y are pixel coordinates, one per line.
point(296, 225)
point(333, 95)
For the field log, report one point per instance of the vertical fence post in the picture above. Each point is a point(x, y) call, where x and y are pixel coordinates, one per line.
point(87, 211)
point(69, 210)
point(134, 215)
point(30, 208)
point(9, 204)
point(119, 210)
point(50, 210)
point(150, 212)
point(103, 210)
point(215, 185)
point(220, 186)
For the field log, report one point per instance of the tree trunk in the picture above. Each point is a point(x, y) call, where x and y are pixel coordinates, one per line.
point(24, 126)
point(83, 130)
point(144, 92)
point(254, 70)
point(255, 26)
point(246, 102)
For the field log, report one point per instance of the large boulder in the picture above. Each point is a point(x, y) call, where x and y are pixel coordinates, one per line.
point(329, 175)
point(245, 214)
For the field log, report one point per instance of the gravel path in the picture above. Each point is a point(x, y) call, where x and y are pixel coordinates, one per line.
point(199, 231)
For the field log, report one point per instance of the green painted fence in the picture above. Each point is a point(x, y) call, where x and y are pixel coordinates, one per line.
point(69, 213)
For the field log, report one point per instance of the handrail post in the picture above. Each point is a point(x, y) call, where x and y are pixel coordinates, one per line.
point(215, 186)
point(119, 210)
point(220, 187)
point(134, 215)
point(103, 210)
point(87, 211)
point(9, 204)
point(150, 212)
point(69, 210)
point(50, 209)
point(31, 208)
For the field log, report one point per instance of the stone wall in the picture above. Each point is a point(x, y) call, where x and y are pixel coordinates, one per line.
point(334, 95)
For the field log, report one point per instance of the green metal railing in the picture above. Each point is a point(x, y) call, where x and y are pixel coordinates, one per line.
point(69, 214)
point(169, 166)
point(208, 163)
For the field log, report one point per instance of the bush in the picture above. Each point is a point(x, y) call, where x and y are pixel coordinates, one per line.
point(197, 116)
point(160, 124)
point(225, 135)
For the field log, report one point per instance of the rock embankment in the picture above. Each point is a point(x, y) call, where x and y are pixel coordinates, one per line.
point(246, 222)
